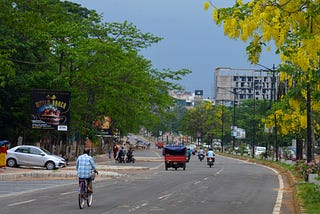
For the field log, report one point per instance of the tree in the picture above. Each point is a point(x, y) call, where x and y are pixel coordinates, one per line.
point(62, 46)
point(293, 27)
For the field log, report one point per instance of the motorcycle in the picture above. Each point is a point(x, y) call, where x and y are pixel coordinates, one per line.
point(201, 157)
point(130, 159)
point(121, 159)
point(188, 157)
point(210, 161)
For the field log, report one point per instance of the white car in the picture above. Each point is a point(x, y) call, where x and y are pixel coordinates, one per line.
point(259, 150)
point(33, 156)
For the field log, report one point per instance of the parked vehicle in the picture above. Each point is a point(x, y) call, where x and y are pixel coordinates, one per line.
point(217, 146)
point(175, 157)
point(140, 144)
point(33, 156)
point(259, 150)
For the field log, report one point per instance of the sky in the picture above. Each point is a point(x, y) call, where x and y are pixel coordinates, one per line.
point(191, 39)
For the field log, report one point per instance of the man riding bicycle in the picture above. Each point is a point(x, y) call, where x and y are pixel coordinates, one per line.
point(84, 166)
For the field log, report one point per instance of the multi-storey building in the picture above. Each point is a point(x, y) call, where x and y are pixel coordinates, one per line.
point(189, 99)
point(235, 85)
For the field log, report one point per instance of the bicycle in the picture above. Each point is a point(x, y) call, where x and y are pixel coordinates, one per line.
point(84, 194)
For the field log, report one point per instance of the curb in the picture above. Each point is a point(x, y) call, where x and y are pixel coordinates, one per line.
point(70, 172)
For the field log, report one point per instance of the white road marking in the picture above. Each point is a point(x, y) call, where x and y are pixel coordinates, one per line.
point(22, 202)
point(164, 196)
point(217, 173)
point(197, 182)
point(138, 207)
point(277, 206)
point(67, 193)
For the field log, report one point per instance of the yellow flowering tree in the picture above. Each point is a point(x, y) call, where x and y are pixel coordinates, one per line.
point(293, 28)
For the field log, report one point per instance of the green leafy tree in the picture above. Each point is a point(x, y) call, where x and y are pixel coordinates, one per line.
point(62, 46)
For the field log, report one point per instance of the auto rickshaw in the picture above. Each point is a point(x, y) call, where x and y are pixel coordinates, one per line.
point(175, 157)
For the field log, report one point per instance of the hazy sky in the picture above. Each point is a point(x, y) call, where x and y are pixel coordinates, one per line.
point(191, 38)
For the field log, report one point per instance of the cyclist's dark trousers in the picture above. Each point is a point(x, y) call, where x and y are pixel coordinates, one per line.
point(89, 183)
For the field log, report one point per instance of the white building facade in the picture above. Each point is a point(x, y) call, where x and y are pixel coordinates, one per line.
point(234, 85)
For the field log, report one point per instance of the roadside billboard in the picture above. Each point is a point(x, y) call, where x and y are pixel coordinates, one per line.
point(50, 109)
point(103, 126)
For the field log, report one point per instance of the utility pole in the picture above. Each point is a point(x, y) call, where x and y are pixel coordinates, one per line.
point(222, 126)
point(273, 98)
point(234, 116)
point(309, 143)
point(275, 116)
point(234, 121)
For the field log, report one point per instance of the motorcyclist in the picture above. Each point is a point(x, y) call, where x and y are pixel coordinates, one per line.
point(188, 154)
point(210, 154)
point(84, 165)
point(130, 155)
point(201, 154)
point(121, 154)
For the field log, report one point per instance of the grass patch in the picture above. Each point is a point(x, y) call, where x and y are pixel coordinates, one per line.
point(309, 194)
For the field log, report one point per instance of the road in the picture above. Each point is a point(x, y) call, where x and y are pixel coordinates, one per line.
point(232, 186)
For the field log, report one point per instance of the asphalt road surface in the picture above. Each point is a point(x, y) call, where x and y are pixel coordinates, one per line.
point(232, 186)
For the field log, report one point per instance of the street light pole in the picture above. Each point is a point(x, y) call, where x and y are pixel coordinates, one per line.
point(309, 152)
point(273, 98)
point(234, 121)
point(234, 115)
point(275, 116)
point(222, 126)
point(254, 118)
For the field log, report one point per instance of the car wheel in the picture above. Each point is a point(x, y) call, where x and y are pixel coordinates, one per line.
point(50, 165)
point(11, 162)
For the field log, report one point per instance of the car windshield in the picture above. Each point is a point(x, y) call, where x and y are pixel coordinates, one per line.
point(46, 151)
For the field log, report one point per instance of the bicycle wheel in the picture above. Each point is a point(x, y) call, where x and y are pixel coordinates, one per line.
point(81, 198)
point(89, 199)
point(81, 201)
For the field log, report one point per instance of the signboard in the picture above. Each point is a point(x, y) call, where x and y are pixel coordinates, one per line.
point(233, 131)
point(238, 133)
point(50, 110)
point(103, 125)
point(198, 92)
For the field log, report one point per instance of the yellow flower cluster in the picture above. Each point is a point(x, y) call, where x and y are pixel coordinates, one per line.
point(294, 27)
point(274, 21)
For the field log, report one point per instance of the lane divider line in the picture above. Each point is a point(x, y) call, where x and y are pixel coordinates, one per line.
point(22, 202)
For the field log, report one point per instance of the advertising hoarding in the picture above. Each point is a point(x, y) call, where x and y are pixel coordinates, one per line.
point(103, 126)
point(50, 109)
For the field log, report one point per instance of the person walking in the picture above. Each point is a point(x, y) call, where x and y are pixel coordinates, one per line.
point(84, 165)
point(115, 151)
point(3, 155)
point(109, 151)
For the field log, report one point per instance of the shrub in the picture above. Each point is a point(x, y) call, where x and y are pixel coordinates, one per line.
point(304, 169)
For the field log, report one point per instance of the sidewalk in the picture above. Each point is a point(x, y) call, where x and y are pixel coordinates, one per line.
point(105, 166)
